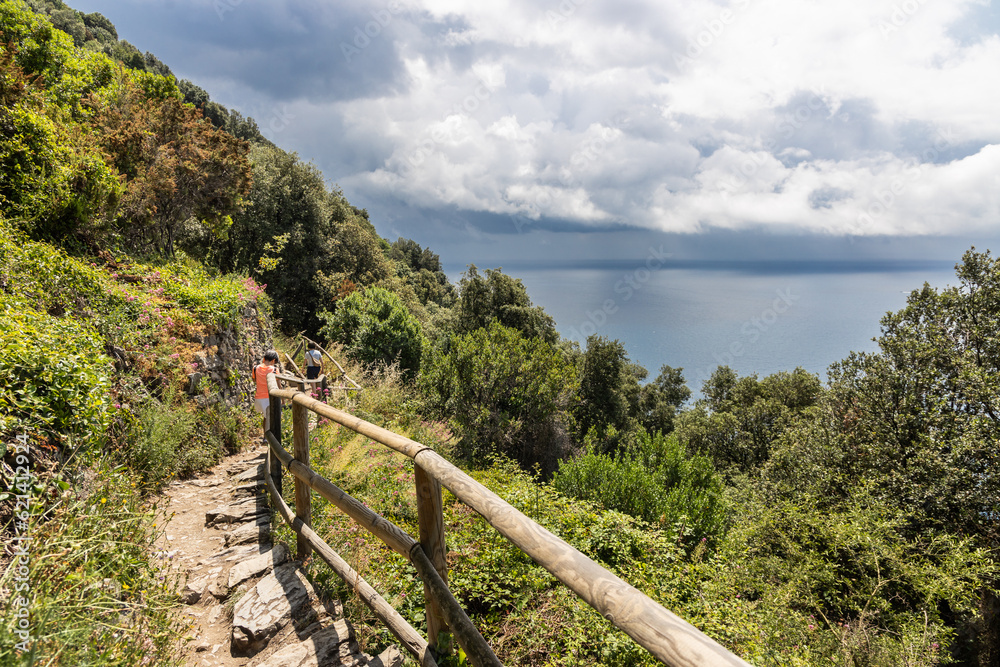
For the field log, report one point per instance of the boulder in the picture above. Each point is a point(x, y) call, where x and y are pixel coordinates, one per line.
point(333, 645)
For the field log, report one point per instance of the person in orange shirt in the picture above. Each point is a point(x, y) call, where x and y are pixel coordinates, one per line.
point(261, 398)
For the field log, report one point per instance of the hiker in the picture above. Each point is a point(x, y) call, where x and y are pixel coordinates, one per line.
point(314, 362)
point(262, 399)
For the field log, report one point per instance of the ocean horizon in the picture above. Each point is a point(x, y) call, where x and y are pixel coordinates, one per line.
point(755, 316)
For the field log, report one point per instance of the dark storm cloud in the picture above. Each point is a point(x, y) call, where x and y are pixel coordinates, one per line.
point(285, 50)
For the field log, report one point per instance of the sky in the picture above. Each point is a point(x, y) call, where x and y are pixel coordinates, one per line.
point(588, 129)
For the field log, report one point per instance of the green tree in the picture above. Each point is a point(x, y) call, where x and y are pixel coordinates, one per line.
point(54, 178)
point(923, 414)
point(661, 399)
point(376, 328)
point(915, 425)
point(330, 249)
point(505, 394)
point(739, 418)
point(421, 269)
point(177, 165)
point(501, 298)
point(97, 21)
point(609, 388)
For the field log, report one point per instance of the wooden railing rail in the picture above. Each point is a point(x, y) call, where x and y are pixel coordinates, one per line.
point(666, 636)
point(343, 378)
point(397, 625)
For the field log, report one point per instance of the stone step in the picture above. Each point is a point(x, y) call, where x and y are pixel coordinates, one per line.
point(244, 511)
point(279, 598)
point(258, 565)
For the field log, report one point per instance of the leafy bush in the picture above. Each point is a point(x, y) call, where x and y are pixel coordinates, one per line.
point(54, 375)
point(54, 177)
point(502, 299)
point(738, 421)
point(166, 439)
point(653, 478)
point(376, 328)
point(506, 394)
point(866, 593)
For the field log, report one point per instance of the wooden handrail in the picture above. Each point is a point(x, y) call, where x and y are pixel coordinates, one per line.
point(469, 637)
point(397, 625)
point(396, 538)
point(329, 356)
point(665, 635)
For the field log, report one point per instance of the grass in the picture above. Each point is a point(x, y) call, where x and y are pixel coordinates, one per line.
point(99, 598)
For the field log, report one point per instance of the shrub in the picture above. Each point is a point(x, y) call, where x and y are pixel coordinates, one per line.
point(98, 597)
point(54, 375)
point(375, 327)
point(166, 439)
point(653, 478)
point(506, 394)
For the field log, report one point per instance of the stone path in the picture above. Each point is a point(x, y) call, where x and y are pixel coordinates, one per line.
point(248, 604)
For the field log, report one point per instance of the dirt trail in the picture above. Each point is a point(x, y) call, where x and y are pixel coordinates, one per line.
point(191, 547)
point(248, 603)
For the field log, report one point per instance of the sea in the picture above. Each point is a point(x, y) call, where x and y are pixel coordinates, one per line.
point(757, 317)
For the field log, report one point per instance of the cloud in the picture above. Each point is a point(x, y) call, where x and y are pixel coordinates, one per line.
point(855, 118)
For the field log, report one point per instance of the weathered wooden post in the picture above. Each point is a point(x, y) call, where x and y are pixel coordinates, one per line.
point(430, 515)
point(300, 440)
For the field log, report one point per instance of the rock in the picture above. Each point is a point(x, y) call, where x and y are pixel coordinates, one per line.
point(278, 598)
point(391, 657)
point(193, 590)
point(240, 512)
point(219, 590)
point(256, 472)
point(194, 379)
point(334, 645)
point(206, 482)
point(261, 564)
point(232, 555)
point(251, 488)
point(206, 401)
point(259, 532)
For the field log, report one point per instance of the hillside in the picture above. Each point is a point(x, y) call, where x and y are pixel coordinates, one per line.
point(153, 245)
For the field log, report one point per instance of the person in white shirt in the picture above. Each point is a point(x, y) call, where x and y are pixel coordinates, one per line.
point(314, 362)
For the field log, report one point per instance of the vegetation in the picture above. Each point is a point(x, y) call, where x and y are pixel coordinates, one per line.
point(374, 327)
point(505, 393)
point(651, 478)
point(852, 523)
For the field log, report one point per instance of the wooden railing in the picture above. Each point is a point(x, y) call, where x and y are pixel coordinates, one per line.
point(346, 384)
point(666, 636)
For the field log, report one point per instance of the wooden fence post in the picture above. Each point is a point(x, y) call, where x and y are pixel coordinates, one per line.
point(300, 440)
point(430, 515)
point(274, 465)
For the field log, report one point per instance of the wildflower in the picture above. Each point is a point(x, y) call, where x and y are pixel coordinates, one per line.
point(104, 500)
